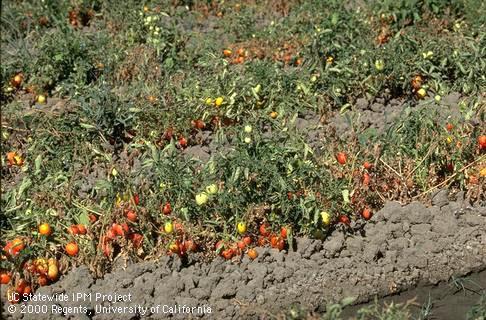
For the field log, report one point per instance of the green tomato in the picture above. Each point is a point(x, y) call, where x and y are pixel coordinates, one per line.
point(201, 198)
point(212, 189)
point(380, 65)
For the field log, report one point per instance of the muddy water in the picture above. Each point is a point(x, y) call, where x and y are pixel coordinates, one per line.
point(446, 301)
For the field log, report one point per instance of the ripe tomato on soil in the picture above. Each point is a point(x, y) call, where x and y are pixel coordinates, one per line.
point(198, 124)
point(5, 278)
point(53, 270)
point(136, 239)
point(110, 234)
point(42, 280)
point(15, 246)
point(228, 253)
point(366, 214)
point(283, 232)
point(219, 245)
point(473, 180)
point(132, 216)
point(227, 52)
point(262, 241)
point(72, 249)
point(344, 219)
point(136, 199)
point(174, 247)
point(182, 142)
point(73, 229)
point(274, 241)
point(17, 80)
point(366, 179)
point(252, 254)
point(341, 158)
point(367, 165)
point(45, 229)
point(190, 246)
point(167, 209)
point(264, 230)
point(117, 229)
point(247, 240)
point(21, 286)
point(82, 229)
point(482, 142)
point(241, 244)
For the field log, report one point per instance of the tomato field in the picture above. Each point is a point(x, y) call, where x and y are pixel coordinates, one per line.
point(256, 132)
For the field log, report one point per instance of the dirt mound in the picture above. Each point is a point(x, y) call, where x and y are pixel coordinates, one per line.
point(399, 248)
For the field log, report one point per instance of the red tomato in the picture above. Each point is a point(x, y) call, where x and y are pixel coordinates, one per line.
point(110, 234)
point(366, 179)
point(74, 229)
point(262, 241)
point(241, 244)
point(263, 230)
point(228, 254)
point(117, 230)
point(367, 165)
point(247, 240)
point(167, 209)
point(82, 229)
point(125, 227)
point(219, 245)
point(482, 142)
point(344, 219)
point(132, 216)
point(136, 199)
point(341, 158)
point(182, 142)
point(5, 278)
point(43, 280)
point(283, 232)
point(274, 241)
point(190, 246)
point(137, 239)
point(366, 214)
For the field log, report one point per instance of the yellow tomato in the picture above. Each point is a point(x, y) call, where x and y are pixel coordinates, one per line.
point(218, 102)
point(53, 270)
point(241, 227)
point(421, 93)
point(482, 173)
point(168, 227)
point(41, 98)
point(326, 218)
point(45, 229)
